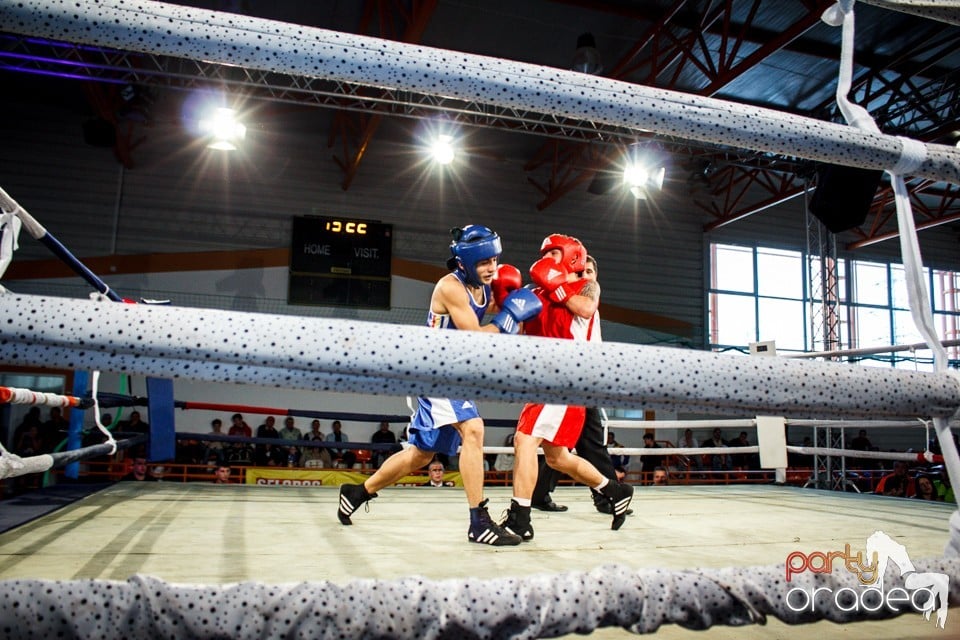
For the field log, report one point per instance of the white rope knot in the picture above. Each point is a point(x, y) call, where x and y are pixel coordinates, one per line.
point(834, 14)
point(913, 154)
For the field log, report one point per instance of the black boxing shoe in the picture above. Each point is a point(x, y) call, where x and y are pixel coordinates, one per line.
point(619, 495)
point(352, 496)
point(550, 505)
point(483, 530)
point(517, 522)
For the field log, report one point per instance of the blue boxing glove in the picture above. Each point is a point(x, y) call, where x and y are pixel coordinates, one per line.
point(520, 305)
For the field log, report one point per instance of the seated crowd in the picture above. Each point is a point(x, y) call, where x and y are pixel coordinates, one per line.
point(313, 448)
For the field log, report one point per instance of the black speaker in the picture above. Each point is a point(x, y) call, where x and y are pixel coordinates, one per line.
point(843, 196)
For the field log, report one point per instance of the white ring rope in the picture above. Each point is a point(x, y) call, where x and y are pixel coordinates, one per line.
point(655, 425)
point(866, 351)
point(400, 360)
point(856, 453)
point(265, 45)
point(540, 606)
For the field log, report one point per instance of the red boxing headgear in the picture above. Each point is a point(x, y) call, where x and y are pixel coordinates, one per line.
point(574, 253)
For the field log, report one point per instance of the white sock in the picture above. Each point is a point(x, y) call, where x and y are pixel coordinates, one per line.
point(523, 502)
point(600, 486)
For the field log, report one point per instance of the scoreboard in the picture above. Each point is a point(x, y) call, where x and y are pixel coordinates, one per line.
point(340, 262)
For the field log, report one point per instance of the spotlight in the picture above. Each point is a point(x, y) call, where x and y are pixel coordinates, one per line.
point(641, 173)
point(442, 149)
point(586, 59)
point(224, 129)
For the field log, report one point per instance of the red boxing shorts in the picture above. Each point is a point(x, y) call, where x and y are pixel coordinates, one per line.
point(558, 424)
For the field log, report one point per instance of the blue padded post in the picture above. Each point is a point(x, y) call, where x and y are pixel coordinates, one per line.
point(81, 380)
point(162, 424)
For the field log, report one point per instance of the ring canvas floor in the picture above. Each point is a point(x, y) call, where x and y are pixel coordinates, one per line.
point(205, 533)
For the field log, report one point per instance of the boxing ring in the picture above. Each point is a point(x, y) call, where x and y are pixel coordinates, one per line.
point(275, 546)
point(618, 581)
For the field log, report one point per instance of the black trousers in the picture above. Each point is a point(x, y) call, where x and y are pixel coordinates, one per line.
point(590, 446)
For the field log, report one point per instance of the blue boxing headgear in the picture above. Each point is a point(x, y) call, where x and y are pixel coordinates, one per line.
point(472, 244)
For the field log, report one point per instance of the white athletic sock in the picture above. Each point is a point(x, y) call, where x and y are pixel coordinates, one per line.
point(600, 486)
point(523, 502)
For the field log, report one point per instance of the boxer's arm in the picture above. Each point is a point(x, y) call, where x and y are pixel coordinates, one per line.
point(451, 298)
point(585, 303)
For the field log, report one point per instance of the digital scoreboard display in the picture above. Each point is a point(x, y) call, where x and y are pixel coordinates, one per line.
point(340, 262)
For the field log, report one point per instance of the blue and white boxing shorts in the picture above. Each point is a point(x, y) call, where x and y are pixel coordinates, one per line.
point(431, 425)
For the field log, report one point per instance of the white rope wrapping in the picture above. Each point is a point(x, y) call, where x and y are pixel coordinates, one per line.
point(541, 606)
point(26, 396)
point(911, 158)
point(11, 206)
point(12, 465)
point(9, 238)
point(94, 388)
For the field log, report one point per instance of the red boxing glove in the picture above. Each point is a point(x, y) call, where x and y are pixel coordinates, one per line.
point(568, 289)
point(548, 274)
point(507, 280)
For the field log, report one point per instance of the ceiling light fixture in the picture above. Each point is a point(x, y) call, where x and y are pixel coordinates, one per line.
point(441, 149)
point(586, 59)
point(642, 172)
point(224, 129)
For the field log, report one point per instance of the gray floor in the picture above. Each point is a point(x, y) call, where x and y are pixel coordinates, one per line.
point(199, 533)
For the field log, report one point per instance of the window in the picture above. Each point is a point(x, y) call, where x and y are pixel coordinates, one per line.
point(759, 293)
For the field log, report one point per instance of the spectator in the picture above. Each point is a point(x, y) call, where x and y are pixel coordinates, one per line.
point(435, 471)
point(239, 426)
point(861, 442)
point(31, 418)
point(905, 483)
point(345, 456)
point(239, 452)
point(649, 463)
point(941, 483)
point(291, 433)
point(215, 449)
point(382, 435)
point(660, 477)
point(743, 461)
point(925, 489)
point(504, 461)
point(190, 451)
point(222, 475)
point(718, 462)
point(618, 459)
point(138, 472)
point(693, 461)
point(316, 453)
point(31, 442)
point(265, 454)
point(135, 425)
point(895, 486)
